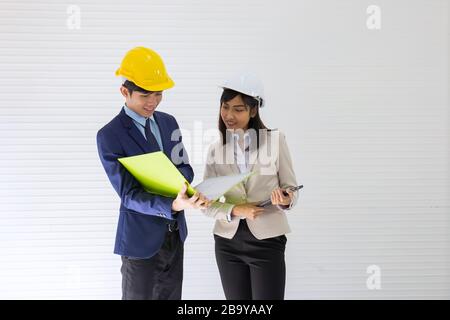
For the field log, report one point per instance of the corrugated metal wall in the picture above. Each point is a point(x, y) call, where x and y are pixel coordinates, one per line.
point(366, 114)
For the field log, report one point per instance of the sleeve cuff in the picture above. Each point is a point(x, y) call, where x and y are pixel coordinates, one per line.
point(228, 213)
point(170, 214)
point(285, 207)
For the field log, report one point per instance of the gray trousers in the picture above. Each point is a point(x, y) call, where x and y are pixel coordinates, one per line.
point(157, 278)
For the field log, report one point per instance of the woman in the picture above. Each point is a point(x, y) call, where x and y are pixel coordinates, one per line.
point(250, 241)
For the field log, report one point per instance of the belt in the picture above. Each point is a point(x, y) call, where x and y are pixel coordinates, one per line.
point(172, 226)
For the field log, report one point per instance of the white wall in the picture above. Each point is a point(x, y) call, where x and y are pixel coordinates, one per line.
point(366, 114)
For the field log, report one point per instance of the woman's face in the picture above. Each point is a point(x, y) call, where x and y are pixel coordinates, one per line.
point(235, 114)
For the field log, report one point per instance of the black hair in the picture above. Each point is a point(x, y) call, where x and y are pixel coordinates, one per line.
point(254, 123)
point(131, 86)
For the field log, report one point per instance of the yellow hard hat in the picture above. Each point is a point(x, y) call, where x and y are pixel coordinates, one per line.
point(146, 69)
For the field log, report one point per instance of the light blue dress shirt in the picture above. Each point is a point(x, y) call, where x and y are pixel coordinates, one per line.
point(139, 121)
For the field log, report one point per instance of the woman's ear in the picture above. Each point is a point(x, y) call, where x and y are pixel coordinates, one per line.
point(253, 112)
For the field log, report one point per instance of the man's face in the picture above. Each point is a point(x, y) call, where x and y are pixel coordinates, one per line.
point(143, 104)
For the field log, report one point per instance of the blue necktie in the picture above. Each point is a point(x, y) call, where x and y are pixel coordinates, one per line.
point(150, 136)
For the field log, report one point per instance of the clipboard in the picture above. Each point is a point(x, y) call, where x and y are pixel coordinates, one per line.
point(268, 202)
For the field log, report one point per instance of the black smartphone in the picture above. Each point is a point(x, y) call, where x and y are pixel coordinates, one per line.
point(266, 203)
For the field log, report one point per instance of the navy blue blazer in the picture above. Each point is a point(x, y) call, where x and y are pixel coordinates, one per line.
point(143, 217)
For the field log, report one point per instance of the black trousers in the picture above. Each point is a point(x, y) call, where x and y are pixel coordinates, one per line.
point(157, 278)
point(251, 269)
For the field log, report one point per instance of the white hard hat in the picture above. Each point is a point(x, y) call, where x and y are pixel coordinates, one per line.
point(246, 83)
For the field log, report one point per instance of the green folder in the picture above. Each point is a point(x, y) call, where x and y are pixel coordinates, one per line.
point(158, 175)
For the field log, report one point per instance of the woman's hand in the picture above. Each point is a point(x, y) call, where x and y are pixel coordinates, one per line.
point(278, 198)
point(246, 210)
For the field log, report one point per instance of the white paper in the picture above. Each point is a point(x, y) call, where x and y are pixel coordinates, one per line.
point(215, 187)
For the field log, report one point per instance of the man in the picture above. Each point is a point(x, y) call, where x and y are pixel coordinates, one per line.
point(151, 228)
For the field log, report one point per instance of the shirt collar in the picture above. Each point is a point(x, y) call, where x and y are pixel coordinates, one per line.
point(246, 139)
point(135, 116)
point(246, 135)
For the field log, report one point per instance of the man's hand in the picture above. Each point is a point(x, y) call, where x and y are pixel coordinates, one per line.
point(182, 201)
point(247, 210)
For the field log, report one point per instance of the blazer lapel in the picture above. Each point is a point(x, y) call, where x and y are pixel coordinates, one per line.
point(255, 154)
point(134, 132)
point(253, 158)
point(228, 149)
point(165, 139)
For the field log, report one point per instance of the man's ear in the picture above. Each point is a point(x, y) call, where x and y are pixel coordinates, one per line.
point(124, 91)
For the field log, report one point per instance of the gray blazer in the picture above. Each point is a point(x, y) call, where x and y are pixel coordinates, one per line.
point(271, 170)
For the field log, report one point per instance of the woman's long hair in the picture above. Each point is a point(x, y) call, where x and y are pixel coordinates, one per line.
point(254, 123)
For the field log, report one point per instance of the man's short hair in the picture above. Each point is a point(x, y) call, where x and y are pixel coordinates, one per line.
point(131, 86)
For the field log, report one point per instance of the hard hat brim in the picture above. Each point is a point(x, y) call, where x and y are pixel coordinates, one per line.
point(240, 91)
point(158, 87)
